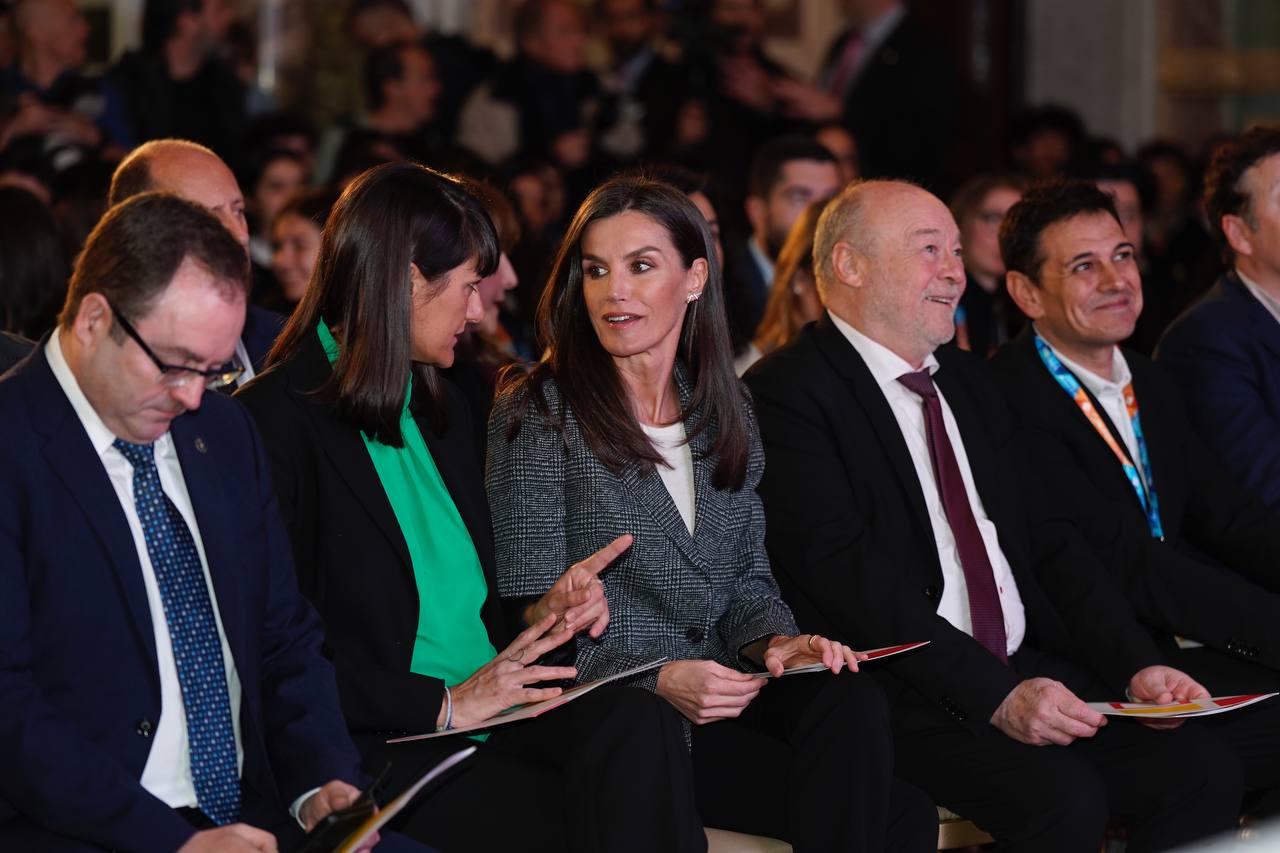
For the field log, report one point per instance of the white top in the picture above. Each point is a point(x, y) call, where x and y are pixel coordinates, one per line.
point(677, 474)
point(750, 355)
point(1110, 395)
point(886, 366)
point(1268, 301)
point(167, 774)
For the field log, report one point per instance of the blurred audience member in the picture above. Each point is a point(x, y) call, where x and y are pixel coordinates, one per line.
point(538, 190)
point(1178, 247)
point(644, 87)
point(51, 95)
point(198, 175)
point(269, 178)
point(282, 130)
point(33, 265)
point(176, 85)
point(887, 79)
point(837, 139)
point(986, 317)
point(295, 245)
point(1045, 140)
point(788, 173)
point(793, 295)
point(1225, 351)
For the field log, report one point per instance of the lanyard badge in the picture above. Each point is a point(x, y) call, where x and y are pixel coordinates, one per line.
point(1146, 492)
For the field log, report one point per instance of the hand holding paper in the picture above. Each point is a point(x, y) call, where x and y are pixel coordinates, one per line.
point(1159, 685)
point(863, 657)
point(808, 649)
point(1179, 711)
point(503, 681)
point(1041, 711)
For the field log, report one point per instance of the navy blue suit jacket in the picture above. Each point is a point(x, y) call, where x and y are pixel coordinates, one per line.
point(1224, 353)
point(79, 686)
point(261, 328)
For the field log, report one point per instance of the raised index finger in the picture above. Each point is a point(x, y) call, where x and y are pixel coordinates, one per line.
point(597, 562)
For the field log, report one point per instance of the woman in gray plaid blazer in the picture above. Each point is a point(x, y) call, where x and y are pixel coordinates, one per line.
point(635, 424)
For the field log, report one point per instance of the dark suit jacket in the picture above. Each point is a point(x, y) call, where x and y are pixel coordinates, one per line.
point(853, 548)
point(746, 293)
point(78, 679)
point(1224, 354)
point(12, 350)
point(352, 559)
point(900, 107)
point(1176, 586)
point(261, 328)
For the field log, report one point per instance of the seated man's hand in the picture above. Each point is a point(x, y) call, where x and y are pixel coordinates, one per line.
point(234, 838)
point(1161, 685)
point(577, 598)
point(1041, 711)
point(335, 796)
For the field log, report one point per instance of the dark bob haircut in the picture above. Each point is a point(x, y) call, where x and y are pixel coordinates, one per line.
point(388, 218)
point(33, 264)
point(586, 374)
point(1043, 205)
point(1224, 194)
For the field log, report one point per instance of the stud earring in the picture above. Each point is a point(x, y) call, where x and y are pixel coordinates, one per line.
point(692, 297)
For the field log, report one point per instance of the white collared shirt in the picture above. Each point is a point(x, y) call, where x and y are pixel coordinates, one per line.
point(1110, 395)
point(1268, 301)
point(762, 261)
point(167, 774)
point(886, 366)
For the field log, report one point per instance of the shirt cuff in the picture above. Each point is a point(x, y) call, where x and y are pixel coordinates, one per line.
point(297, 806)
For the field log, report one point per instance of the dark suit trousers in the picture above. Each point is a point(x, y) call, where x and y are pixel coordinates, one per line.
point(1167, 787)
point(607, 772)
point(811, 761)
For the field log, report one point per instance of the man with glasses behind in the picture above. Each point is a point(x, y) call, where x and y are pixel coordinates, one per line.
point(161, 681)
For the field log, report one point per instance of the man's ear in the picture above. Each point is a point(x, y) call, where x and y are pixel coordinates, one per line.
point(1026, 294)
point(1238, 233)
point(849, 265)
point(757, 214)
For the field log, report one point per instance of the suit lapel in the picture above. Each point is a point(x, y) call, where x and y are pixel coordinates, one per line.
point(74, 460)
point(867, 395)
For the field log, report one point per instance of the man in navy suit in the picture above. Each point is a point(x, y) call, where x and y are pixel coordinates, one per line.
point(161, 679)
point(197, 174)
point(1225, 351)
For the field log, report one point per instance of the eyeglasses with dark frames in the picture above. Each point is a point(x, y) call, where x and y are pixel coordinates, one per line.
point(178, 375)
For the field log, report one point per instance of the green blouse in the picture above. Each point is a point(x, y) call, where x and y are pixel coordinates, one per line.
point(451, 642)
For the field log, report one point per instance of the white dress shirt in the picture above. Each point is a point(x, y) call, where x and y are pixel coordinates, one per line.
point(677, 474)
point(762, 261)
point(1110, 395)
point(1268, 301)
point(886, 366)
point(167, 774)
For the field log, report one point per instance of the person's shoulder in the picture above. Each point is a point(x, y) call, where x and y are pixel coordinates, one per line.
point(792, 362)
point(1215, 318)
point(13, 349)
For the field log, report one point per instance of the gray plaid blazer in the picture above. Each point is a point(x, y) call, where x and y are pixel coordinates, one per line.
point(674, 595)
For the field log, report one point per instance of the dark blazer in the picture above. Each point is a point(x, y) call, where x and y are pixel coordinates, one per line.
point(1224, 353)
point(12, 350)
point(261, 328)
point(352, 559)
point(853, 548)
point(81, 695)
point(672, 594)
point(746, 292)
point(1176, 586)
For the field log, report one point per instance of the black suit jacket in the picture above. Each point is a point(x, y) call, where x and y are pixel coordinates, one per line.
point(352, 559)
point(1179, 585)
point(851, 541)
point(900, 107)
point(746, 293)
point(12, 350)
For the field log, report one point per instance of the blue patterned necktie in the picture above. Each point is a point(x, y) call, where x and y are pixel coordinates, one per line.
point(197, 649)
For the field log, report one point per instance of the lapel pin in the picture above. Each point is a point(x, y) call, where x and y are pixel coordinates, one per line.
point(201, 446)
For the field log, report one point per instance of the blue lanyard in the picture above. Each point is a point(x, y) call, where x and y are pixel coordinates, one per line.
point(1146, 492)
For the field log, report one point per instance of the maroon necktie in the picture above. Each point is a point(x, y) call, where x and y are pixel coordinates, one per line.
point(984, 600)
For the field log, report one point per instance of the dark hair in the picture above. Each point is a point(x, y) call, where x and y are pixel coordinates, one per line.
point(1224, 193)
point(388, 218)
point(1043, 205)
point(257, 162)
point(501, 211)
point(968, 198)
point(383, 65)
point(774, 154)
point(33, 264)
point(781, 320)
point(265, 129)
point(160, 21)
point(529, 15)
point(313, 205)
point(1048, 118)
point(359, 7)
point(133, 254)
point(587, 376)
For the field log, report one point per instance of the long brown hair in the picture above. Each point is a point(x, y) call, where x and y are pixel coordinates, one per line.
point(586, 374)
point(388, 217)
point(782, 317)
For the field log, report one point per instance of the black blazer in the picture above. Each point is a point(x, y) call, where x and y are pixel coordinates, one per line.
point(351, 557)
point(12, 350)
point(1224, 354)
point(1177, 586)
point(851, 543)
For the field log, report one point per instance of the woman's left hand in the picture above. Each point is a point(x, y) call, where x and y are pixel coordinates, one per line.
point(786, 652)
point(577, 598)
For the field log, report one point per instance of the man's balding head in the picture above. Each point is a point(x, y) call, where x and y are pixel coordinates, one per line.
point(887, 260)
point(188, 170)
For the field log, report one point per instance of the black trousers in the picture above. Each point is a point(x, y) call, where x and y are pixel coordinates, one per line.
point(607, 772)
point(1168, 787)
point(811, 761)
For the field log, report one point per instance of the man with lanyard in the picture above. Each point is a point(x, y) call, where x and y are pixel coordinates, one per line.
point(1107, 433)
